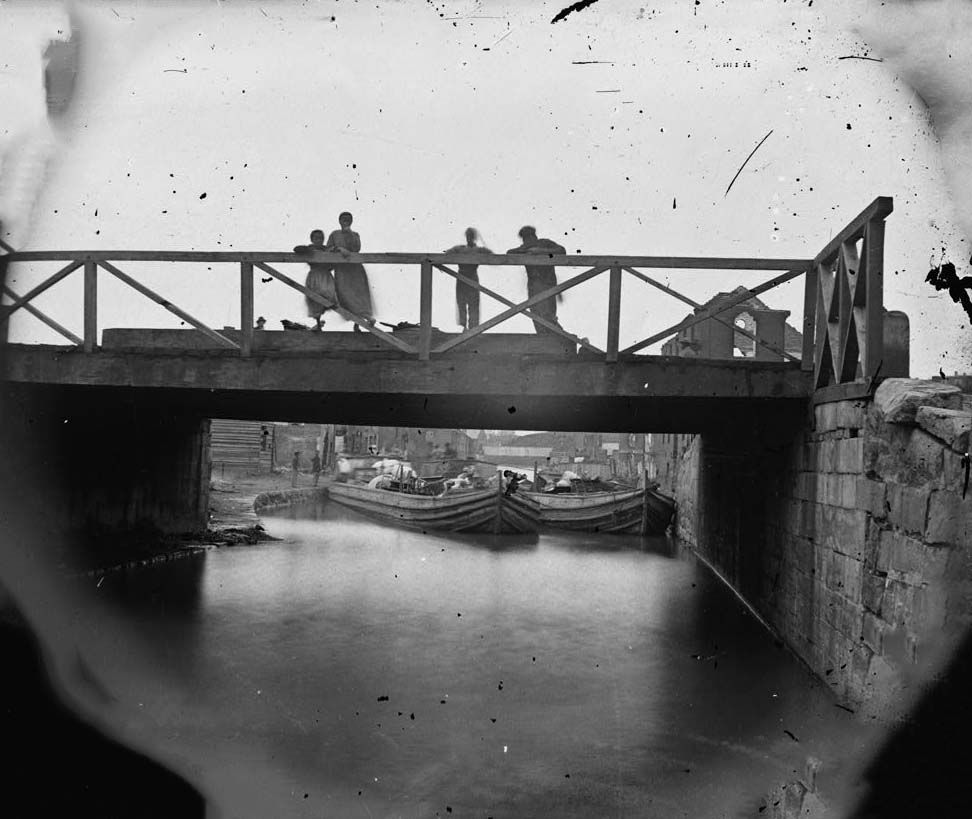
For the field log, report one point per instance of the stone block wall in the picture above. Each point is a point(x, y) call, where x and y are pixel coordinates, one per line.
point(684, 486)
point(87, 472)
point(865, 567)
point(813, 562)
point(846, 530)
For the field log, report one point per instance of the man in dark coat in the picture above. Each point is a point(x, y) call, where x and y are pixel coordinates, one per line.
point(540, 277)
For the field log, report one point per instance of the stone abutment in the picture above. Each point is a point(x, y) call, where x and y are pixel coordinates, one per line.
point(849, 534)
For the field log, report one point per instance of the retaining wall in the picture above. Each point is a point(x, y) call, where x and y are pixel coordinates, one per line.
point(851, 538)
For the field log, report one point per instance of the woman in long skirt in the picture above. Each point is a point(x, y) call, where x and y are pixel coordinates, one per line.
point(350, 278)
point(319, 280)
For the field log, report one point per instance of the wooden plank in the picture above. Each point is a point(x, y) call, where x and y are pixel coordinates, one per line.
point(90, 307)
point(809, 317)
point(425, 312)
point(877, 210)
point(518, 308)
point(714, 311)
point(45, 318)
point(847, 353)
point(246, 308)
point(359, 320)
point(145, 291)
point(695, 305)
point(528, 313)
point(614, 314)
point(50, 281)
point(851, 391)
point(545, 390)
point(714, 263)
point(873, 280)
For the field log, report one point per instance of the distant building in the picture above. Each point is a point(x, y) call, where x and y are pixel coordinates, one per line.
point(410, 442)
point(711, 338)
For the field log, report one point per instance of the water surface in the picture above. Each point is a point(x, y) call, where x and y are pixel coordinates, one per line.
point(363, 670)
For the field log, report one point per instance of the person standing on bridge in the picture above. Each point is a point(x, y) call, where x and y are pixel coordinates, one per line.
point(294, 467)
point(319, 280)
point(540, 277)
point(350, 278)
point(467, 297)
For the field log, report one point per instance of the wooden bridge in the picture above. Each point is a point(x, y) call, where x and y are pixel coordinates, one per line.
point(422, 377)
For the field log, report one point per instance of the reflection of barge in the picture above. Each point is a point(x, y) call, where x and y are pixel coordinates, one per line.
point(473, 510)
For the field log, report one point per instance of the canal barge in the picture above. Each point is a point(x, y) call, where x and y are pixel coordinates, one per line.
point(473, 510)
point(630, 511)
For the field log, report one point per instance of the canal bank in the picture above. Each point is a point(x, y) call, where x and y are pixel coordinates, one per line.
point(235, 502)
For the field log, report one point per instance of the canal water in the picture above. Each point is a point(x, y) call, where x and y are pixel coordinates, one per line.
point(352, 669)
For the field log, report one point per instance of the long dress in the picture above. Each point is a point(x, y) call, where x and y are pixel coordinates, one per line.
point(351, 278)
point(320, 280)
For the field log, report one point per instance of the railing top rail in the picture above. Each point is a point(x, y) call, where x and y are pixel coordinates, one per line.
point(518, 259)
point(878, 209)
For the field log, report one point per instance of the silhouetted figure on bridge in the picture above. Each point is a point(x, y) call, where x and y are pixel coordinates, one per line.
point(319, 280)
point(467, 298)
point(540, 278)
point(350, 278)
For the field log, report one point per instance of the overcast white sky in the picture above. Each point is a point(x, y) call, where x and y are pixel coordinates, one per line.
point(284, 116)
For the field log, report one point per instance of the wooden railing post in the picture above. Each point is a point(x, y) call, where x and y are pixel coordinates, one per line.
point(809, 318)
point(90, 307)
point(246, 308)
point(871, 276)
point(614, 314)
point(425, 312)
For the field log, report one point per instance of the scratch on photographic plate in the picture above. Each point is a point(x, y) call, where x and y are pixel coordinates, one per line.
point(747, 160)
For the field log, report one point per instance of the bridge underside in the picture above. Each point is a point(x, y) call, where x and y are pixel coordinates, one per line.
point(509, 391)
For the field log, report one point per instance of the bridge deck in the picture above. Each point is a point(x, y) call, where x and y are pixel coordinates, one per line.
point(509, 381)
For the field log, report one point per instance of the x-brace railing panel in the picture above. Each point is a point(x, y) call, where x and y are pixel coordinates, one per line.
point(550, 325)
point(849, 300)
point(715, 310)
point(163, 302)
point(518, 308)
point(695, 305)
point(361, 321)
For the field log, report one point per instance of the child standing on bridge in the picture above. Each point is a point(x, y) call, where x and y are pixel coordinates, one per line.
point(319, 280)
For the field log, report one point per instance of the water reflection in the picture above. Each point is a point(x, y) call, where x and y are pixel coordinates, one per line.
point(568, 675)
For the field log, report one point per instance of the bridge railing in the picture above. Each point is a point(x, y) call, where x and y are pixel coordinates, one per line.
point(610, 267)
point(842, 311)
point(844, 302)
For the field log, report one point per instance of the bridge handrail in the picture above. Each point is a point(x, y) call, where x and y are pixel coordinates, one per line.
point(842, 312)
point(510, 260)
